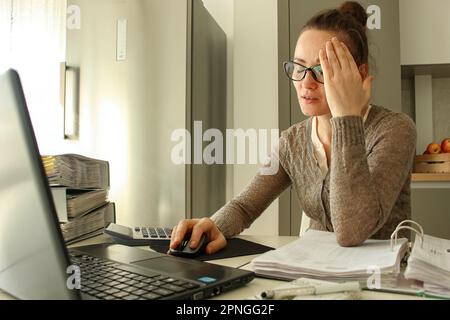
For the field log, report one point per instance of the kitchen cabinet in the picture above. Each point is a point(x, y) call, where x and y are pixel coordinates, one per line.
point(424, 32)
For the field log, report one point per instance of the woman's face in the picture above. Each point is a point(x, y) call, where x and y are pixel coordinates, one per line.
point(310, 93)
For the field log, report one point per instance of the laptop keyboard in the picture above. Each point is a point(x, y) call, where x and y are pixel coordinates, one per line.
point(107, 280)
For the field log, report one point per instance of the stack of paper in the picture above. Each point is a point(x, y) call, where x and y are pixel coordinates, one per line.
point(318, 255)
point(76, 171)
point(79, 187)
point(71, 203)
point(79, 202)
point(430, 262)
point(88, 225)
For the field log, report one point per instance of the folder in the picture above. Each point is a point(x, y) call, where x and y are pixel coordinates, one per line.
point(76, 171)
point(88, 225)
point(429, 261)
point(71, 203)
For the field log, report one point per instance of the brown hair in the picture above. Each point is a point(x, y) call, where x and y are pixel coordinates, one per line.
point(349, 21)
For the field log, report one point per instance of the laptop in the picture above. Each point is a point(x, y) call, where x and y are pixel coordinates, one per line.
point(34, 261)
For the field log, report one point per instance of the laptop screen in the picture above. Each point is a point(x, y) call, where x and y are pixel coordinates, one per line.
point(33, 261)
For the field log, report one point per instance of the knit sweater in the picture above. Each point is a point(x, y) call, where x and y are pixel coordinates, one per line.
point(366, 192)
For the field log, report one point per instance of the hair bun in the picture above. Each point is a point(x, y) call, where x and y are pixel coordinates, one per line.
point(356, 10)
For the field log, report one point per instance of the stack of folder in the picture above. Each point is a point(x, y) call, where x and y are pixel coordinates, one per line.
point(80, 188)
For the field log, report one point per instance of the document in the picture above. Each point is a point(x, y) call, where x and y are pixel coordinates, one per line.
point(317, 254)
point(430, 262)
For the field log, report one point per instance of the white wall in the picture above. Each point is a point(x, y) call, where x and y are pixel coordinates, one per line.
point(256, 86)
point(34, 45)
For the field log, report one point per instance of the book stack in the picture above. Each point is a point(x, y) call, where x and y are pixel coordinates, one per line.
point(318, 255)
point(80, 188)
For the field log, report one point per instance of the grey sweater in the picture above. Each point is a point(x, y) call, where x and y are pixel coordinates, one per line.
point(366, 192)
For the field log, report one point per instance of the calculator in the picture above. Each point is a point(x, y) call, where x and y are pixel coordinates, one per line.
point(137, 235)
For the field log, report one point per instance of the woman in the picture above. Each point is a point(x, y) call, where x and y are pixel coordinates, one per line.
point(350, 162)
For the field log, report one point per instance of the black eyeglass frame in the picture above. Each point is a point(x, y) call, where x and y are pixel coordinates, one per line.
point(312, 69)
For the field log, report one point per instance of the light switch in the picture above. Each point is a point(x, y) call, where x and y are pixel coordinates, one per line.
point(121, 39)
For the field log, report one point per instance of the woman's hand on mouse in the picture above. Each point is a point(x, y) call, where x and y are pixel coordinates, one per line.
point(347, 92)
point(197, 227)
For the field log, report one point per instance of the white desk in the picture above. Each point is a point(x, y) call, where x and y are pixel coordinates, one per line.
point(258, 285)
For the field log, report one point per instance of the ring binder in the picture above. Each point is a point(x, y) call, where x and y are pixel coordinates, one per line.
point(428, 261)
point(318, 255)
point(400, 226)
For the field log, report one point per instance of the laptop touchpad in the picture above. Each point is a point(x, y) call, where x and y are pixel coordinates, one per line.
point(188, 269)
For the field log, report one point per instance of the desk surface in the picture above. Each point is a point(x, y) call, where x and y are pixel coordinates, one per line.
point(258, 285)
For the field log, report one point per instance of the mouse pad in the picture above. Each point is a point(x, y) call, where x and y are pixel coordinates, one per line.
point(235, 248)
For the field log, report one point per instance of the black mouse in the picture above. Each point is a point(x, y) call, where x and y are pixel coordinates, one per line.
point(184, 250)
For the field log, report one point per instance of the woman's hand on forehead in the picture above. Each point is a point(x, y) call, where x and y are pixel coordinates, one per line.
point(348, 94)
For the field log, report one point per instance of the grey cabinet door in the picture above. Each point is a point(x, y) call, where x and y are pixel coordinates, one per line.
point(384, 50)
point(206, 183)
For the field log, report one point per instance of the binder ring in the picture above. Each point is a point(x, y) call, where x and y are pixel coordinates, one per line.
point(413, 222)
point(400, 227)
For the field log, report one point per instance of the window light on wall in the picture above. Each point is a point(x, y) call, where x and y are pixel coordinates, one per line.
point(32, 38)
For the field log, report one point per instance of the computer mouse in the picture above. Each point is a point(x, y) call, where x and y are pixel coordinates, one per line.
point(185, 251)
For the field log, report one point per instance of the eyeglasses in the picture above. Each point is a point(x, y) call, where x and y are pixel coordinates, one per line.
point(297, 72)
